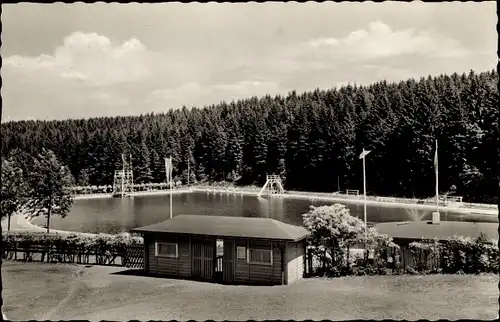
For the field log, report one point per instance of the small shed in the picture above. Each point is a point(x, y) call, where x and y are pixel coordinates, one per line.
point(254, 250)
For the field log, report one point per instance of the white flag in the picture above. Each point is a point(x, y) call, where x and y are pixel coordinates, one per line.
point(364, 153)
point(436, 157)
point(168, 169)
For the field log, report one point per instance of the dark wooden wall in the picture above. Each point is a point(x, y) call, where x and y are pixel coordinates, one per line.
point(180, 266)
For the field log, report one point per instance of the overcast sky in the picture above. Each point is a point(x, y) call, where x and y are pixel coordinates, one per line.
point(85, 60)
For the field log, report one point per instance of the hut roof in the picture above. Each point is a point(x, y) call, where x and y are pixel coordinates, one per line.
point(224, 226)
point(445, 229)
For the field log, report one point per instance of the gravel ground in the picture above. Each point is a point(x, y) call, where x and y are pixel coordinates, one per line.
point(62, 292)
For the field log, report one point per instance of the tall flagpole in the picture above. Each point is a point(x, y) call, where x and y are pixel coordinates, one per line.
point(436, 217)
point(363, 156)
point(168, 174)
point(170, 177)
point(364, 185)
point(437, 176)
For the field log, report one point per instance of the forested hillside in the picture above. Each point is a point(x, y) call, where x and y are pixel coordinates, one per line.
point(311, 139)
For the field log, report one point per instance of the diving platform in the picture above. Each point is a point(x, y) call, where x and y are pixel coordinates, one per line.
point(273, 186)
point(123, 184)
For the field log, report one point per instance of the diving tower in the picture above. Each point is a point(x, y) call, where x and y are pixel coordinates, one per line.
point(123, 183)
point(274, 186)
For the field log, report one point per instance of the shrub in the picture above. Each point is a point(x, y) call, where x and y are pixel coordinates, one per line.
point(456, 255)
point(333, 232)
point(100, 244)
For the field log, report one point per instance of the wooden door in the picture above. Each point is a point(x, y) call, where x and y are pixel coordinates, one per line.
point(228, 261)
point(202, 254)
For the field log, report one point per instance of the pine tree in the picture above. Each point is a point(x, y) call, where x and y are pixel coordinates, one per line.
point(83, 178)
point(143, 169)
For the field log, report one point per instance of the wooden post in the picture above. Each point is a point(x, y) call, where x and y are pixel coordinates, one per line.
point(146, 254)
point(304, 261)
point(177, 259)
point(190, 256)
point(214, 259)
point(248, 259)
point(284, 276)
point(272, 267)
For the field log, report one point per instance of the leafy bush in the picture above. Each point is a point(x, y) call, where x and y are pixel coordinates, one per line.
point(98, 244)
point(334, 233)
point(456, 255)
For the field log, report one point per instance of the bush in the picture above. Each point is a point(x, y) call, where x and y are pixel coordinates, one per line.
point(456, 255)
point(333, 232)
point(100, 243)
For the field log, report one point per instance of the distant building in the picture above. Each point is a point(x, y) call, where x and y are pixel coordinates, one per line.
point(255, 250)
point(404, 233)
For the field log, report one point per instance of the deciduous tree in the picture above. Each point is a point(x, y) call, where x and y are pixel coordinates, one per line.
point(14, 189)
point(49, 181)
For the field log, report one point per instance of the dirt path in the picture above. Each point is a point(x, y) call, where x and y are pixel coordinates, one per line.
point(74, 286)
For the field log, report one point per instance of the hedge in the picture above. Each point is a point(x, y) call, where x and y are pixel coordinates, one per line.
point(457, 255)
point(69, 239)
point(462, 255)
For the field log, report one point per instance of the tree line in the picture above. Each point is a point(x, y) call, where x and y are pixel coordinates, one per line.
point(312, 139)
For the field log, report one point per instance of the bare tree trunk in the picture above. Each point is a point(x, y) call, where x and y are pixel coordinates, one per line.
point(8, 222)
point(50, 207)
point(48, 219)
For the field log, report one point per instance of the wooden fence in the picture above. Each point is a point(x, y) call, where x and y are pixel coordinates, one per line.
point(134, 256)
point(130, 256)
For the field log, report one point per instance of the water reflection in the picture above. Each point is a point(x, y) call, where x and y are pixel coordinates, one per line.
point(271, 207)
point(113, 215)
point(264, 207)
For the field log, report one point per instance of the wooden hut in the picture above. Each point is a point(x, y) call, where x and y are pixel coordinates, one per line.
point(255, 250)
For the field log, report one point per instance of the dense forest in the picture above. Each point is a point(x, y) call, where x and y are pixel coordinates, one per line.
point(313, 140)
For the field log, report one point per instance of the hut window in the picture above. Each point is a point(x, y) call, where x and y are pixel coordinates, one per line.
point(241, 252)
point(166, 250)
point(260, 256)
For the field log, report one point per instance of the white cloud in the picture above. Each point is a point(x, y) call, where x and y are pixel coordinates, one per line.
point(91, 58)
point(379, 40)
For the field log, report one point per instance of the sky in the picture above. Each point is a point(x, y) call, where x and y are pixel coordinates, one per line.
point(88, 60)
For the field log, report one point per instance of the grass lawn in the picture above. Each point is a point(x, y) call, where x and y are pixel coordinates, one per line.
point(61, 292)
